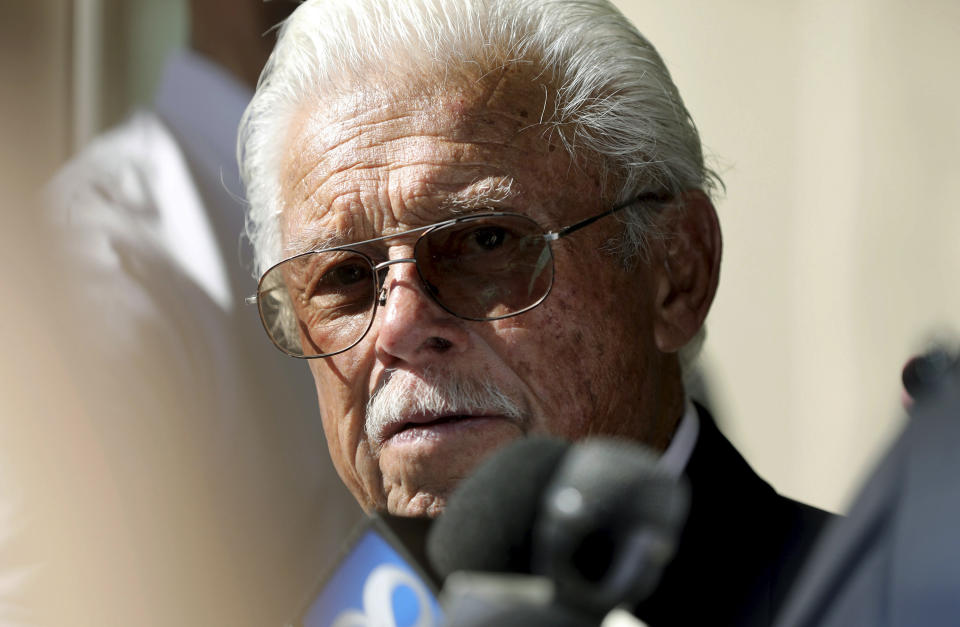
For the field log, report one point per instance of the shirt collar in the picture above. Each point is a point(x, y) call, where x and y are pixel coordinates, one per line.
point(675, 459)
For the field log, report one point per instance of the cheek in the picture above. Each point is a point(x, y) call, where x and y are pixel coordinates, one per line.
point(342, 380)
point(550, 353)
point(582, 354)
point(341, 392)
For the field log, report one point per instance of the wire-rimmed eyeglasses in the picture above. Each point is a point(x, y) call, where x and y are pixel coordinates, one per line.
point(480, 267)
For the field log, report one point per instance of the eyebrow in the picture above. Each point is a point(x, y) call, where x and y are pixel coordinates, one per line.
point(475, 199)
point(313, 238)
point(482, 195)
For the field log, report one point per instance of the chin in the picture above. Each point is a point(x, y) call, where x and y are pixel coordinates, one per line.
point(420, 506)
point(422, 467)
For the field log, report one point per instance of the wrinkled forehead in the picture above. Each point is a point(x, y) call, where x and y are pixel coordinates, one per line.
point(400, 154)
point(472, 106)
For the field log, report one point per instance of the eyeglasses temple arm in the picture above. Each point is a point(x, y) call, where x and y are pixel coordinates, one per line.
point(567, 230)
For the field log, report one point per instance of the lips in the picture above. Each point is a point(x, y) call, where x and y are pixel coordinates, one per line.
point(424, 422)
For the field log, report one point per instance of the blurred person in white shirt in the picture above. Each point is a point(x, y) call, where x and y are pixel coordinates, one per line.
point(194, 474)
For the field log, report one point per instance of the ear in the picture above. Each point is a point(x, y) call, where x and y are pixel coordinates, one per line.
point(686, 269)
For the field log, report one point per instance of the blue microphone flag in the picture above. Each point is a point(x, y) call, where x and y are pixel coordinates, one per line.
point(376, 583)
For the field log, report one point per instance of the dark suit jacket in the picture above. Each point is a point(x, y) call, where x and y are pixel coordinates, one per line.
point(895, 560)
point(741, 548)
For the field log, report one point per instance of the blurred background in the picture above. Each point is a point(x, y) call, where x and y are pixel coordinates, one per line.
point(835, 126)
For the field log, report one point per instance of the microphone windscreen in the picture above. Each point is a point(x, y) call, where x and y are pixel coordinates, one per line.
point(924, 375)
point(617, 481)
point(488, 522)
point(609, 524)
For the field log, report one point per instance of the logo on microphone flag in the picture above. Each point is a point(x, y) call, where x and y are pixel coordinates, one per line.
point(374, 586)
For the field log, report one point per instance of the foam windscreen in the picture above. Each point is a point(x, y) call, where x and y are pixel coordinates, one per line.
point(489, 519)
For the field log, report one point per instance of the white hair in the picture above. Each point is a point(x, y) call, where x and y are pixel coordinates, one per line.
point(612, 98)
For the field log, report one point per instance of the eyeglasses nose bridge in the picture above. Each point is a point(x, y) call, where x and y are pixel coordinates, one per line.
point(381, 270)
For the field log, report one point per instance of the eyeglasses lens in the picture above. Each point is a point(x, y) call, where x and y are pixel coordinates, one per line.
point(481, 268)
point(318, 303)
point(486, 268)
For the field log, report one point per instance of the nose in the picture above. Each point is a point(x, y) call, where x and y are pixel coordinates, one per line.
point(411, 327)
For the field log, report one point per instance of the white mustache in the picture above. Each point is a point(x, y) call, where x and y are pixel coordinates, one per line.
point(402, 395)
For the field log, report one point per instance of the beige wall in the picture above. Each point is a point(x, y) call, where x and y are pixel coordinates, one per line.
point(836, 127)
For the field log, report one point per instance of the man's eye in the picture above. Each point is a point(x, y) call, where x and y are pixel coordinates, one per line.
point(489, 237)
point(345, 274)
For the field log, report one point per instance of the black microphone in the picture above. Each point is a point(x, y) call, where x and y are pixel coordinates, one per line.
point(609, 524)
point(597, 521)
point(488, 521)
point(925, 375)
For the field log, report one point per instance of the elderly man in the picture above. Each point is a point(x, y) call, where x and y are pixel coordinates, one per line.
point(482, 220)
